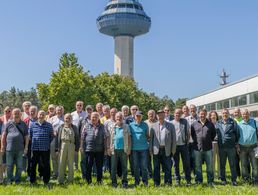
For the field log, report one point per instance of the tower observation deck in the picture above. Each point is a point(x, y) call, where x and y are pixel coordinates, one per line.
point(124, 20)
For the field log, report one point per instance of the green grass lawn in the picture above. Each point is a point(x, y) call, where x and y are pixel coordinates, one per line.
point(80, 187)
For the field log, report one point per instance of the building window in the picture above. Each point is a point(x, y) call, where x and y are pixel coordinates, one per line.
point(234, 102)
point(254, 98)
point(213, 106)
point(225, 104)
point(121, 5)
point(129, 6)
point(242, 100)
point(219, 105)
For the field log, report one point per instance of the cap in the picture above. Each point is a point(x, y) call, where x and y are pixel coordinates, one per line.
point(138, 113)
point(89, 107)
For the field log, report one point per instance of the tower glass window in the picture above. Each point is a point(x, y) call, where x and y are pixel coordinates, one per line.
point(242, 100)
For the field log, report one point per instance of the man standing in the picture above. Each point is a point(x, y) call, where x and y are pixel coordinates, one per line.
point(99, 109)
point(203, 133)
point(162, 146)
point(94, 138)
point(191, 119)
point(140, 134)
point(248, 133)
point(227, 139)
point(41, 135)
point(185, 111)
point(119, 147)
point(131, 118)
point(125, 111)
point(78, 115)
point(15, 139)
point(26, 110)
point(67, 143)
point(150, 122)
point(56, 122)
point(182, 137)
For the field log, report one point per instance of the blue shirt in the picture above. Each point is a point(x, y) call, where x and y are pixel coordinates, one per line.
point(41, 136)
point(119, 138)
point(139, 135)
point(248, 132)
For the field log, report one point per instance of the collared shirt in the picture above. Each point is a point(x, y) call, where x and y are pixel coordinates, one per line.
point(94, 137)
point(248, 132)
point(180, 133)
point(191, 119)
point(139, 135)
point(238, 120)
point(68, 134)
point(119, 138)
point(78, 116)
point(203, 135)
point(103, 120)
point(15, 136)
point(169, 118)
point(41, 136)
point(56, 122)
point(162, 134)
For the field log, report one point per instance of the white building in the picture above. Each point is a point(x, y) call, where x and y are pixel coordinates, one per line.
point(242, 94)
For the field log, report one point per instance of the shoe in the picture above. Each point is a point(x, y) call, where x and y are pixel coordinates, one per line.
point(28, 178)
point(224, 183)
point(114, 185)
point(234, 183)
point(188, 183)
point(156, 185)
point(125, 185)
point(198, 183)
point(99, 182)
point(146, 184)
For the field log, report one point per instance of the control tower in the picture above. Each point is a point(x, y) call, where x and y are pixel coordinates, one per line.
point(124, 20)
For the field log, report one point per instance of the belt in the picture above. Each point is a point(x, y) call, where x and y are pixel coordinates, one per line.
point(248, 146)
point(161, 147)
point(67, 141)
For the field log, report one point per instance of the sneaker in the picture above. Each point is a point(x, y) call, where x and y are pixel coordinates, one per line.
point(224, 183)
point(125, 185)
point(114, 185)
point(28, 178)
point(234, 183)
point(210, 184)
point(177, 183)
point(188, 183)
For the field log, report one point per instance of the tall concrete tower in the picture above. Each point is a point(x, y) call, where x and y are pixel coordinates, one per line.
point(124, 20)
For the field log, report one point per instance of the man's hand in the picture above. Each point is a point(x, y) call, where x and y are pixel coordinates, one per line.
point(109, 153)
point(238, 149)
point(25, 151)
point(128, 152)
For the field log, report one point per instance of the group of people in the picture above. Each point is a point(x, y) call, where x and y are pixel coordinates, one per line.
point(108, 138)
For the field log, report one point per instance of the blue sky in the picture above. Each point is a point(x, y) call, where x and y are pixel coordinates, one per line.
point(190, 42)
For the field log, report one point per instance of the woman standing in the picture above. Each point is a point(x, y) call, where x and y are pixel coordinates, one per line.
point(213, 117)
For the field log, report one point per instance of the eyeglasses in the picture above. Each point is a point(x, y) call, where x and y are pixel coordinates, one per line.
point(7, 111)
point(134, 109)
point(79, 105)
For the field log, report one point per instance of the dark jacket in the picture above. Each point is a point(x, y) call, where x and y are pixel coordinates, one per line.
point(229, 137)
point(203, 135)
point(76, 138)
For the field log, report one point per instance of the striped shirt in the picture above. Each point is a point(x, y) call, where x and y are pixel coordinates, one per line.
point(41, 136)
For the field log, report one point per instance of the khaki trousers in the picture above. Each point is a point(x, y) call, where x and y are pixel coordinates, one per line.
point(54, 158)
point(66, 159)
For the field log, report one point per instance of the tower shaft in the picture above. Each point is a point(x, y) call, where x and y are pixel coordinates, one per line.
point(124, 56)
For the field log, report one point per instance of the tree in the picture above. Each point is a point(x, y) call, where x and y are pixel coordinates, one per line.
point(15, 97)
point(67, 85)
point(70, 83)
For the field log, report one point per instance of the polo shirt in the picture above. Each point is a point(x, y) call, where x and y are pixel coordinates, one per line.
point(77, 117)
point(41, 136)
point(119, 138)
point(139, 135)
point(248, 132)
point(14, 138)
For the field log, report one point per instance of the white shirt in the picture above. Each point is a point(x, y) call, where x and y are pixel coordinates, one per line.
point(77, 116)
point(56, 122)
point(162, 134)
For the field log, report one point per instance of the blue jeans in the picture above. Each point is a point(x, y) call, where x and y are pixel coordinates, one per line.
point(201, 156)
point(14, 158)
point(140, 161)
point(229, 153)
point(165, 161)
point(183, 151)
point(247, 155)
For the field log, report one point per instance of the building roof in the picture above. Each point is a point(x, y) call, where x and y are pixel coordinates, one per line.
point(225, 86)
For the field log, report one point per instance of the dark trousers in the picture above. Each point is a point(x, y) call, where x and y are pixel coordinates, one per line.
point(183, 151)
point(83, 165)
point(149, 165)
point(42, 157)
point(191, 157)
point(131, 161)
point(140, 161)
point(89, 158)
point(119, 156)
point(229, 153)
point(165, 161)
